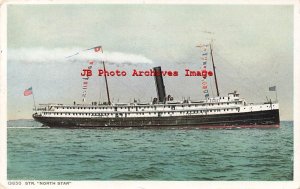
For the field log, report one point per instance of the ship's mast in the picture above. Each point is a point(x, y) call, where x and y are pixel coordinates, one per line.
point(214, 68)
point(107, 91)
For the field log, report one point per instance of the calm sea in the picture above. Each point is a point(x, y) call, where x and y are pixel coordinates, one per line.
point(41, 153)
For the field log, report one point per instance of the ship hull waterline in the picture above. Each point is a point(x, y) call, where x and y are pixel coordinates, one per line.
point(258, 119)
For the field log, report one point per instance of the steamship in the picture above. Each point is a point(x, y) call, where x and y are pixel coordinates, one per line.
point(224, 112)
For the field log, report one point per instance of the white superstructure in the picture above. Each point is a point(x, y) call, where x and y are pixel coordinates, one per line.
point(230, 104)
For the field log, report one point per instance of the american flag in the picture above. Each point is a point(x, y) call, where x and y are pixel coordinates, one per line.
point(28, 91)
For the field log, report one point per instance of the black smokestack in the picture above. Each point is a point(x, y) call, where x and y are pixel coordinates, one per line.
point(160, 87)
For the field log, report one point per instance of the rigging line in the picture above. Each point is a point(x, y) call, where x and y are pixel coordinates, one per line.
point(241, 83)
point(227, 62)
point(100, 83)
point(214, 69)
point(82, 51)
point(238, 72)
point(236, 80)
point(210, 80)
point(133, 90)
point(212, 91)
point(140, 92)
point(170, 89)
point(178, 64)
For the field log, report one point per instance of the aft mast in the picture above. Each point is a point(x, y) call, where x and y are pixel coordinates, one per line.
point(105, 77)
point(214, 69)
point(205, 46)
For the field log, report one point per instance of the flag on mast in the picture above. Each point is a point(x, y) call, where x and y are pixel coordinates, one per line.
point(28, 91)
point(96, 49)
point(91, 63)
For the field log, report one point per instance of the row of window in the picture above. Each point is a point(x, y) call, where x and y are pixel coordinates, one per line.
point(142, 113)
point(148, 107)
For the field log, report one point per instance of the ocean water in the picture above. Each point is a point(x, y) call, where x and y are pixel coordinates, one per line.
point(36, 152)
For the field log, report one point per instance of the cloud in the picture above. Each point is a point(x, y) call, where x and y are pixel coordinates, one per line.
point(43, 55)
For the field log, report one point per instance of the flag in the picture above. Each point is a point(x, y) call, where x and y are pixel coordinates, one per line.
point(28, 91)
point(272, 88)
point(98, 48)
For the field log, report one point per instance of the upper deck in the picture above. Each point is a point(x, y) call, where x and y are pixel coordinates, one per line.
point(217, 105)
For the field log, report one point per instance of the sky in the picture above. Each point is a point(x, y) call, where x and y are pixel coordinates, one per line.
point(252, 47)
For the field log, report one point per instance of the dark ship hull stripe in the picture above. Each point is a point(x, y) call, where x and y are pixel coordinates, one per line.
point(257, 119)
